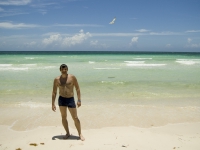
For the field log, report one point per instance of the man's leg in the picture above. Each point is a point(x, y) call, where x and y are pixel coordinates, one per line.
point(63, 111)
point(77, 123)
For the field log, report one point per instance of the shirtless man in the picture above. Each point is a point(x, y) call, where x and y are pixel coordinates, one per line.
point(66, 83)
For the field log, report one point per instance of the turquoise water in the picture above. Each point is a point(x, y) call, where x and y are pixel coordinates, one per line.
point(137, 89)
point(124, 78)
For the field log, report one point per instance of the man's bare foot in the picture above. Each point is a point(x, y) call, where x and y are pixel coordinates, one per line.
point(66, 136)
point(81, 137)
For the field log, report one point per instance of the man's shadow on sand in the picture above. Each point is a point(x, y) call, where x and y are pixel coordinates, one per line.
point(62, 137)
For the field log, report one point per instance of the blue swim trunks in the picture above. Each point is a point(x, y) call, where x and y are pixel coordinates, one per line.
point(68, 102)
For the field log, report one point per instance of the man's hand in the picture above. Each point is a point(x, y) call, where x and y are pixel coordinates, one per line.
point(54, 107)
point(78, 103)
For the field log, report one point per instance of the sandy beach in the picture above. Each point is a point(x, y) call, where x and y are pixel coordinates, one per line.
point(32, 126)
point(184, 136)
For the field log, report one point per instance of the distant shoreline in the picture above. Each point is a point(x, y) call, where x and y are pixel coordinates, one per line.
point(94, 52)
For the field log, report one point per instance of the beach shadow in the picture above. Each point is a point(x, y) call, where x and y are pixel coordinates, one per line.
point(61, 137)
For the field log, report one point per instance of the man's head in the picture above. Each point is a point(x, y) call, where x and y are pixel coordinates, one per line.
point(63, 67)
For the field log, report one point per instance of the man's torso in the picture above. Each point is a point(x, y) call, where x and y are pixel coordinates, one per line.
point(66, 89)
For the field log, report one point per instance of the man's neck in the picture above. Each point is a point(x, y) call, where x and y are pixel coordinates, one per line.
point(64, 75)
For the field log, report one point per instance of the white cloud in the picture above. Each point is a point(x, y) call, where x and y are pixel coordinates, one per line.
point(134, 40)
point(189, 40)
point(93, 42)
point(14, 2)
point(40, 5)
point(195, 45)
point(136, 34)
point(52, 39)
point(143, 30)
point(117, 34)
point(8, 25)
point(33, 43)
point(67, 41)
point(96, 44)
point(192, 45)
point(76, 39)
point(164, 33)
point(12, 14)
point(193, 31)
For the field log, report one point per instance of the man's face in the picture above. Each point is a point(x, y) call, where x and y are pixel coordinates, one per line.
point(63, 70)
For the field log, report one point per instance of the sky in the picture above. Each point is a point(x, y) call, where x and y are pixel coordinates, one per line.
point(83, 25)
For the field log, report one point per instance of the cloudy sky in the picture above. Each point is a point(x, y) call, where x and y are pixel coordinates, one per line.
point(140, 25)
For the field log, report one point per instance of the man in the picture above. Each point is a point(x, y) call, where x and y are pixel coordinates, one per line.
point(66, 83)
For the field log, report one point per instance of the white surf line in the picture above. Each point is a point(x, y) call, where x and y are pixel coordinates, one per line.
point(116, 82)
point(142, 58)
point(27, 64)
point(106, 68)
point(30, 57)
point(5, 65)
point(146, 65)
point(48, 67)
point(15, 69)
point(135, 62)
point(188, 61)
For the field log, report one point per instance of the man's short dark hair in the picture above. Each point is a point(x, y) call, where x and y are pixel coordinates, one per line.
point(63, 66)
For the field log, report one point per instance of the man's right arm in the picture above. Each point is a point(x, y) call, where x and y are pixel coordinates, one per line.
point(54, 92)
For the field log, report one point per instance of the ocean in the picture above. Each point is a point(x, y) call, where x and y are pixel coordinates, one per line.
point(121, 88)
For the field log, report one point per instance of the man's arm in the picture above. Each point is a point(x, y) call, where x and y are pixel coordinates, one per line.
point(54, 92)
point(77, 91)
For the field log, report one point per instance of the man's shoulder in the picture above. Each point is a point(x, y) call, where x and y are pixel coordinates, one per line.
point(56, 78)
point(71, 75)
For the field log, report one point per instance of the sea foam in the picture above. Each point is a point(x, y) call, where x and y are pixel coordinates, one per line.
point(5, 65)
point(28, 65)
point(106, 68)
point(29, 57)
point(141, 64)
point(146, 65)
point(135, 62)
point(142, 58)
point(188, 61)
point(112, 82)
point(12, 68)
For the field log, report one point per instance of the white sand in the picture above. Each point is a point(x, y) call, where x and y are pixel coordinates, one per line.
point(184, 136)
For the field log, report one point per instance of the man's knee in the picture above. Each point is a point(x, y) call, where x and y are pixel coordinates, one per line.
point(64, 116)
point(75, 118)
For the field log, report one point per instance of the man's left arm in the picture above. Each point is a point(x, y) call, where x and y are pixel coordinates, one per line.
point(77, 91)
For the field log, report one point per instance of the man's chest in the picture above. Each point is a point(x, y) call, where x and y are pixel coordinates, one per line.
point(68, 82)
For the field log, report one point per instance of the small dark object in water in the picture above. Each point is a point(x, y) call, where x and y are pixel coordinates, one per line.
point(33, 144)
point(111, 77)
